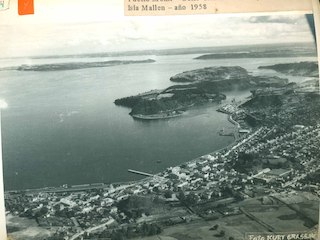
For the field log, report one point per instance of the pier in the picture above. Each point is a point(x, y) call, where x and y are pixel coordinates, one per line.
point(140, 173)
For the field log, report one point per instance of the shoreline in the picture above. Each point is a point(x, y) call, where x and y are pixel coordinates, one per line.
point(156, 116)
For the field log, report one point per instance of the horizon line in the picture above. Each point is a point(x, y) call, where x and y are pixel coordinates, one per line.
point(149, 51)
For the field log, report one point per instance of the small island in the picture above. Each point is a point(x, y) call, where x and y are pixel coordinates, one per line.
point(200, 86)
point(78, 65)
point(305, 69)
point(276, 52)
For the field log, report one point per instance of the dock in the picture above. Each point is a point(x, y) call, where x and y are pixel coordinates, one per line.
point(140, 173)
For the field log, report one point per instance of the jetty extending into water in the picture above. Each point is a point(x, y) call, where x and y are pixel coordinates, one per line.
point(140, 173)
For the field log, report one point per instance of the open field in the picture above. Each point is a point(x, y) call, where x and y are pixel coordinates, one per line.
point(22, 228)
point(282, 219)
point(233, 226)
point(278, 216)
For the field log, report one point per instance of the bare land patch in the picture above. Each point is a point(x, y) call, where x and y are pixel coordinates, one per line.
point(24, 228)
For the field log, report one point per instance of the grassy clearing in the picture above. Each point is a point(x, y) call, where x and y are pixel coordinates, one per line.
point(23, 228)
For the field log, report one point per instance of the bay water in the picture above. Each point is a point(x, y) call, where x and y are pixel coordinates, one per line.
point(62, 127)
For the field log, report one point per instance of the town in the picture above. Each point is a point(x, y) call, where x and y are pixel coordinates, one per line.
point(273, 168)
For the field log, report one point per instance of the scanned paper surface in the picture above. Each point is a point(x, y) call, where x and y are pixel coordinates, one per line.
point(173, 127)
point(180, 7)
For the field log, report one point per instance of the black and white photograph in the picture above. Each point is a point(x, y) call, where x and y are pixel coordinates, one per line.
point(159, 127)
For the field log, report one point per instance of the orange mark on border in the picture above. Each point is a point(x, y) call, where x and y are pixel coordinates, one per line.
point(25, 7)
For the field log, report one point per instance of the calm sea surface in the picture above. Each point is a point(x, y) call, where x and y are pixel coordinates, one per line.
point(63, 127)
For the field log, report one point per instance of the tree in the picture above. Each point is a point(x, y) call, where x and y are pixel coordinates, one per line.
point(104, 234)
point(220, 234)
point(61, 213)
point(191, 199)
point(183, 166)
point(215, 227)
point(130, 232)
point(173, 176)
point(181, 196)
point(28, 214)
point(168, 194)
point(56, 237)
point(117, 235)
point(154, 229)
point(86, 235)
point(70, 213)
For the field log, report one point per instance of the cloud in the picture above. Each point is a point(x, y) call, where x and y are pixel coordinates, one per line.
point(277, 19)
point(132, 33)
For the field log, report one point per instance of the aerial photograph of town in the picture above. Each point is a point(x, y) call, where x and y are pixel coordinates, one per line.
point(130, 129)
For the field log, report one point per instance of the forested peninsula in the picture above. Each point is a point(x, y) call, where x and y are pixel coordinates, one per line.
point(196, 87)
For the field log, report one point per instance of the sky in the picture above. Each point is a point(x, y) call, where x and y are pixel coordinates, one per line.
point(78, 26)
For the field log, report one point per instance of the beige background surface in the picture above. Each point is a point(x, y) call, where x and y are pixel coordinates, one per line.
point(218, 6)
point(58, 11)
